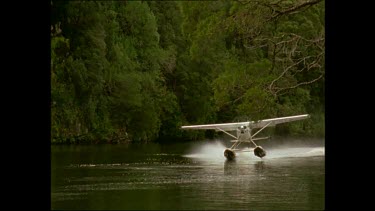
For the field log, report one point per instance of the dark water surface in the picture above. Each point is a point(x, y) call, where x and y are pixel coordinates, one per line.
point(187, 176)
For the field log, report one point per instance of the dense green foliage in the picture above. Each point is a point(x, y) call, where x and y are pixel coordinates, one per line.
point(138, 70)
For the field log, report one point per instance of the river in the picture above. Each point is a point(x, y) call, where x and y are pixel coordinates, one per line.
point(186, 176)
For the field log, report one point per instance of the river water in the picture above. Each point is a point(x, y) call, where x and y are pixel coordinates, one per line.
point(186, 176)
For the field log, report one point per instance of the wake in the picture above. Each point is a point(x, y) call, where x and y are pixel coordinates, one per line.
point(210, 151)
point(215, 151)
point(295, 152)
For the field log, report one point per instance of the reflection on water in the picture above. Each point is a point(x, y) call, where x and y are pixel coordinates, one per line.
point(259, 166)
point(182, 176)
point(230, 167)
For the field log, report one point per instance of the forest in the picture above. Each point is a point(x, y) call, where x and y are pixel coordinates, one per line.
point(136, 71)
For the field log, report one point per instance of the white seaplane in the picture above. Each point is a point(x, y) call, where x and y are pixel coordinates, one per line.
point(244, 132)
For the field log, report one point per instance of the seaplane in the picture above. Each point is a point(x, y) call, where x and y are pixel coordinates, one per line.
point(244, 134)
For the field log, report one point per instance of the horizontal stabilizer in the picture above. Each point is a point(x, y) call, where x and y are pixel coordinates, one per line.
point(244, 150)
point(233, 141)
point(261, 138)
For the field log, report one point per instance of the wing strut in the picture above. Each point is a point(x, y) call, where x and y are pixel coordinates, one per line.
point(260, 129)
point(226, 132)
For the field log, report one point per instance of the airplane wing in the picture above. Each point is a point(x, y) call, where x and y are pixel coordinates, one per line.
point(252, 124)
point(275, 121)
point(224, 126)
